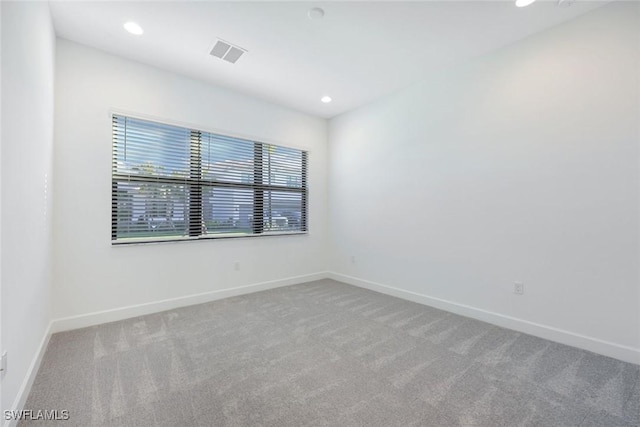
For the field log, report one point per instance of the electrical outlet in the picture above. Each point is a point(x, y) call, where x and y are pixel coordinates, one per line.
point(236, 266)
point(518, 288)
point(3, 363)
point(352, 259)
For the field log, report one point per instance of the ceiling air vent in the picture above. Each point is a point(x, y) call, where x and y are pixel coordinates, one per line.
point(227, 51)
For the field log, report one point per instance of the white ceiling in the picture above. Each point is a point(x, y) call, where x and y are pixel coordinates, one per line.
point(360, 50)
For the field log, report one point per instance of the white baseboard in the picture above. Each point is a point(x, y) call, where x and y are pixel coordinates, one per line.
point(624, 353)
point(606, 348)
point(96, 318)
point(30, 377)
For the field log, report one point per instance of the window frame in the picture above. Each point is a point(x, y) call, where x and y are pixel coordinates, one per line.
point(196, 182)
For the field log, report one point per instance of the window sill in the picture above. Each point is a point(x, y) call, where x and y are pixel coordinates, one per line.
point(154, 240)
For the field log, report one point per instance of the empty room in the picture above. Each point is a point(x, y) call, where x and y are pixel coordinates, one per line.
point(295, 213)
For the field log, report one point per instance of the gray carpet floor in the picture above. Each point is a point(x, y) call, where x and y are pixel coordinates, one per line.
point(326, 354)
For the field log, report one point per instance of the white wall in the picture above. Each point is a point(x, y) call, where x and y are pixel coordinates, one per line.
point(1, 346)
point(90, 274)
point(28, 46)
point(519, 166)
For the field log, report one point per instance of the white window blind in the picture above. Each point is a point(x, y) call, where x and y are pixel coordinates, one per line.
point(170, 182)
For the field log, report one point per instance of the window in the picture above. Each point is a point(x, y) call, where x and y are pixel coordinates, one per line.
point(170, 183)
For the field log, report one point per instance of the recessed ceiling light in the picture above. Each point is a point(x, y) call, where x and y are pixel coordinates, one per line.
point(523, 3)
point(133, 28)
point(315, 13)
point(326, 99)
